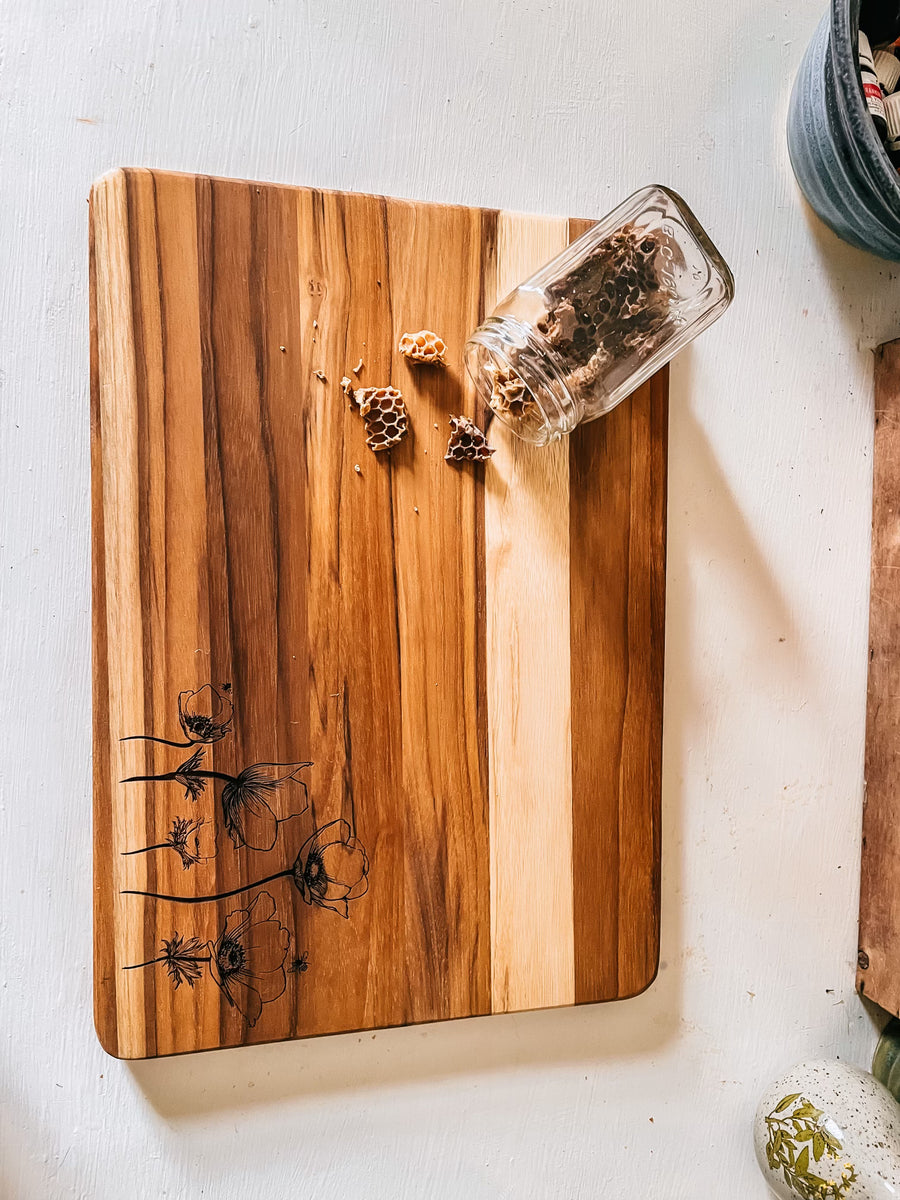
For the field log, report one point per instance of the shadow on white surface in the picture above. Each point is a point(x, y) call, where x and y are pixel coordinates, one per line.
point(858, 281)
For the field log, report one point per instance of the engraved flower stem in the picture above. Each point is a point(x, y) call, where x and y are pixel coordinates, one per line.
point(162, 958)
point(173, 775)
point(144, 849)
point(145, 737)
point(245, 887)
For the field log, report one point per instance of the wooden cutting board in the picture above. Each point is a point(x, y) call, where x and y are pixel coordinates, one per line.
point(409, 714)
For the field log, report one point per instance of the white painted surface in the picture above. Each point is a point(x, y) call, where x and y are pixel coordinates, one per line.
point(554, 107)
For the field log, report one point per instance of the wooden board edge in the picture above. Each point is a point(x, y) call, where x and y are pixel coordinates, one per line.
point(878, 962)
point(104, 1015)
point(156, 172)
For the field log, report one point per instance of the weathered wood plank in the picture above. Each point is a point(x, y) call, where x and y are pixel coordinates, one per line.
point(878, 976)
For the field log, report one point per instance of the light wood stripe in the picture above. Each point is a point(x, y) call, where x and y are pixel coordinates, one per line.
point(179, 612)
point(528, 688)
point(119, 421)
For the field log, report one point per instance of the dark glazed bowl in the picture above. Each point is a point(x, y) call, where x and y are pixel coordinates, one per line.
point(837, 156)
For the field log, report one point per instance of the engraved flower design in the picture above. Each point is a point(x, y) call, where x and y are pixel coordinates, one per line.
point(204, 715)
point(194, 840)
point(247, 962)
point(187, 775)
point(247, 797)
point(182, 958)
point(332, 868)
point(248, 815)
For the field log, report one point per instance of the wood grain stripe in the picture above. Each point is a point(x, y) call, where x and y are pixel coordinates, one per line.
point(528, 686)
point(122, 591)
point(435, 509)
point(617, 524)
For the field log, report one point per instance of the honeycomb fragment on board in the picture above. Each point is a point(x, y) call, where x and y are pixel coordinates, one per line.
point(383, 411)
point(467, 443)
point(423, 347)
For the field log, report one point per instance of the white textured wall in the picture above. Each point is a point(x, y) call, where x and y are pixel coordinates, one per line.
point(559, 107)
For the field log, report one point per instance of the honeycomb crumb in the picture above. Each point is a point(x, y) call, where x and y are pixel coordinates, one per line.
point(423, 347)
point(347, 388)
point(321, 375)
point(467, 443)
point(384, 413)
point(358, 367)
point(509, 395)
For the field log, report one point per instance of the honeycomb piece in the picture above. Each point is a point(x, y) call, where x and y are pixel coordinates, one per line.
point(561, 325)
point(423, 347)
point(467, 443)
point(509, 395)
point(582, 379)
point(384, 413)
point(621, 298)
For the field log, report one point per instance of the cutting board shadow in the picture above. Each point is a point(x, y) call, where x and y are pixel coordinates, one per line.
point(377, 739)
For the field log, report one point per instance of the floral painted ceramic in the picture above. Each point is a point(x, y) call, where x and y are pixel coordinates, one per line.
point(826, 1131)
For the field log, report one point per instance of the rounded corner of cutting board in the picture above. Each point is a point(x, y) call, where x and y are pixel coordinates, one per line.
point(644, 986)
point(108, 1039)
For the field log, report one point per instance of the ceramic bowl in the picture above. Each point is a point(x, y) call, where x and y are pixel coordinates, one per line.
point(826, 1130)
point(837, 156)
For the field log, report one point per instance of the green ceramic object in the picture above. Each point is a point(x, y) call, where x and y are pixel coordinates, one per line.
point(886, 1063)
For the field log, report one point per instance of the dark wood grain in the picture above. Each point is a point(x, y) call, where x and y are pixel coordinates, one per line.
point(618, 522)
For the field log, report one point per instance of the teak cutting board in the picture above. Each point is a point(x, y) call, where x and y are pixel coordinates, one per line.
point(878, 973)
point(469, 659)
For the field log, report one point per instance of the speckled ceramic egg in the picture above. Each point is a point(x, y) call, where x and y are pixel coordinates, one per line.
point(827, 1130)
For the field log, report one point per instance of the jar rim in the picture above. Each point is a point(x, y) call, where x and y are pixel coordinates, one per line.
point(494, 339)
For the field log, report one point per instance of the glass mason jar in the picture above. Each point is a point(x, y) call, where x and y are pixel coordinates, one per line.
point(580, 335)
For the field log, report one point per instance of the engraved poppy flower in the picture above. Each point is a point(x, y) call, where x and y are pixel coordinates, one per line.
point(247, 962)
point(332, 868)
point(204, 715)
point(247, 797)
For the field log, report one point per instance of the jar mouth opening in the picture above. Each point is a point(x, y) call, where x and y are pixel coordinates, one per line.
point(513, 375)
